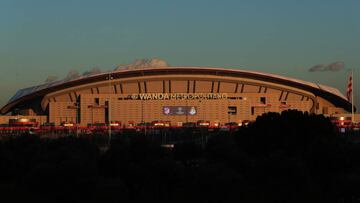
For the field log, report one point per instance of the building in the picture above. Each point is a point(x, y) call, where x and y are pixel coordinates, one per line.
point(173, 94)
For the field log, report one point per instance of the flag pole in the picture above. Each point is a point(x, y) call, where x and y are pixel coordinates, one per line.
point(350, 93)
point(352, 96)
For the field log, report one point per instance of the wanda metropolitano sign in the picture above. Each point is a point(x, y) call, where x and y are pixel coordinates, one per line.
point(177, 96)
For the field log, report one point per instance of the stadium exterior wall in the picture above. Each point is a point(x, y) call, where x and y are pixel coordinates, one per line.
point(175, 94)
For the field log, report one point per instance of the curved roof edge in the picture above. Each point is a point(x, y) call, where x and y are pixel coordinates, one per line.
point(329, 93)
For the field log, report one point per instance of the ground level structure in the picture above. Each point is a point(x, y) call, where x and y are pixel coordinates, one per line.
point(174, 94)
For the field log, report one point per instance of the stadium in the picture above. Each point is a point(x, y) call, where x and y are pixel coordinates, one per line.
point(174, 96)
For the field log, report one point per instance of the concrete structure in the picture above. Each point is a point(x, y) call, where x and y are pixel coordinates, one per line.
point(175, 94)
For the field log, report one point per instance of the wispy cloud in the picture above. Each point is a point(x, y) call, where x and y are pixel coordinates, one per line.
point(144, 63)
point(93, 71)
point(72, 74)
point(335, 66)
point(51, 78)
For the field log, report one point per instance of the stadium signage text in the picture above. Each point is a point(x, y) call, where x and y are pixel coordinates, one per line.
point(178, 96)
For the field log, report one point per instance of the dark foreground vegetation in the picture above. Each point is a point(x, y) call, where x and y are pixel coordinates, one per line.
point(292, 157)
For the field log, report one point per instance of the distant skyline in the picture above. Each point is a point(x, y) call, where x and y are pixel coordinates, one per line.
point(285, 37)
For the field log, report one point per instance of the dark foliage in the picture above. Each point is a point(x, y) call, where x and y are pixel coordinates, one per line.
point(288, 157)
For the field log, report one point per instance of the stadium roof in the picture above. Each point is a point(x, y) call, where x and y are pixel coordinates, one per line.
point(329, 93)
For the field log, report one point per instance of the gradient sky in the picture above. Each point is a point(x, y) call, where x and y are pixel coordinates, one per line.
point(41, 37)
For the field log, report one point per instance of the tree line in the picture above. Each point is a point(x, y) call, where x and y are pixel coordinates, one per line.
point(287, 157)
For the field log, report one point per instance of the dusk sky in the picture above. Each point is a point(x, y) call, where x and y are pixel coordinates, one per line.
point(39, 38)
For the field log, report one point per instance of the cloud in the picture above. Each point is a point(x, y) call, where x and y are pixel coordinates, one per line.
point(72, 74)
point(319, 67)
point(121, 67)
point(335, 66)
point(93, 71)
point(51, 78)
point(144, 63)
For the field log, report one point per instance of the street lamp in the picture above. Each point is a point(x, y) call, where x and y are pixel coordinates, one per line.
point(109, 109)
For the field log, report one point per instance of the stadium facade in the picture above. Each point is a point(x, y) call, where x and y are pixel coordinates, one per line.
point(174, 94)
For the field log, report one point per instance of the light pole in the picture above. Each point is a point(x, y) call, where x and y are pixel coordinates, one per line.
point(109, 109)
